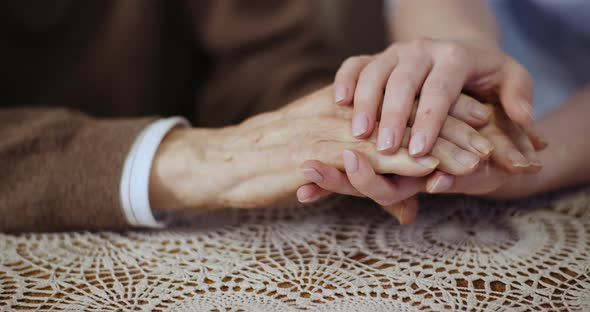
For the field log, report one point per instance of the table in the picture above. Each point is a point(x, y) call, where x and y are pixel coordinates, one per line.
point(337, 255)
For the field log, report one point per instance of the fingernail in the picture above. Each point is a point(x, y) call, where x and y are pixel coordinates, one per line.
point(309, 199)
point(428, 161)
point(351, 163)
point(536, 163)
point(516, 158)
point(385, 139)
point(441, 184)
point(528, 109)
point(360, 124)
point(339, 93)
point(312, 175)
point(481, 112)
point(417, 143)
point(465, 158)
point(481, 144)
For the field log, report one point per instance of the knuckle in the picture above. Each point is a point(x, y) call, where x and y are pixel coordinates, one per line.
point(354, 60)
point(421, 44)
point(453, 52)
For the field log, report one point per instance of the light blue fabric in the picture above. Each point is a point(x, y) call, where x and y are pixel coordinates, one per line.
point(551, 38)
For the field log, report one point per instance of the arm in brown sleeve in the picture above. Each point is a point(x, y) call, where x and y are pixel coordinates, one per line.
point(264, 54)
point(61, 169)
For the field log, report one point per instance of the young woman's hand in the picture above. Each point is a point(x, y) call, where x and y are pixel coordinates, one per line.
point(383, 88)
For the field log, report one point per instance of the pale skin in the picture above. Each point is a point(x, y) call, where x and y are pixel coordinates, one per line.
point(505, 136)
point(259, 161)
point(440, 49)
point(454, 28)
point(565, 163)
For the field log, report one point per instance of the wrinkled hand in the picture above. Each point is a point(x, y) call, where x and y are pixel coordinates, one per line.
point(259, 161)
point(438, 71)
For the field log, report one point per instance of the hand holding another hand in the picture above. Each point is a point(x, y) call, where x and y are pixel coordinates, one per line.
point(383, 88)
point(259, 161)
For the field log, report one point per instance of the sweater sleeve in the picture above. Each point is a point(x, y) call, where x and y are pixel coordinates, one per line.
point(61, 169)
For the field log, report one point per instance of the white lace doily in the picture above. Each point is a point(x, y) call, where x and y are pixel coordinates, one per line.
point(340, 255)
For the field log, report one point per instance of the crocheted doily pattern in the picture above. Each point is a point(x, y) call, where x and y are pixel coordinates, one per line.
point(337, 255)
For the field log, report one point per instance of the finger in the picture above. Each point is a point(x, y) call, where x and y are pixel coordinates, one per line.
point(368, 95)
point(377, 187)
point(328, 178)
point(439, 182)
point(453, 159)
point(483, 181)
point(466, 109)
point(402, 87)
point(309, 193)
point(538, 142)
point(440, 90)
point(347, 77)
point(525, 146)
point(470, 111)
point(466, 137)
point(505, 153)
point(401, 163)
point(405, 211)
point(516, 93)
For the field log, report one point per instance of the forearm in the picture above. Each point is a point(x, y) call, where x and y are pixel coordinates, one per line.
point(565, 161)
point(452, 19)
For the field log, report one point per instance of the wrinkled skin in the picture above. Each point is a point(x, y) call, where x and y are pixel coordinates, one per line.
point(258, 161)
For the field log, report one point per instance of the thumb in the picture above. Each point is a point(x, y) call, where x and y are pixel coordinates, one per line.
point(516, 93)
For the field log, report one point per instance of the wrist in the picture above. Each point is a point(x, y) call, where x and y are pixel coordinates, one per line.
point(179, 170)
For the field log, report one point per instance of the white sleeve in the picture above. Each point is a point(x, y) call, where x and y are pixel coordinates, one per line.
point(134, 187)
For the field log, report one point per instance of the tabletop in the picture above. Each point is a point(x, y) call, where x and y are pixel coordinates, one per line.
point(340, 254)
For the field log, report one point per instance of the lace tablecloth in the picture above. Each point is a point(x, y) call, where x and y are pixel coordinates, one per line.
point(338, 255)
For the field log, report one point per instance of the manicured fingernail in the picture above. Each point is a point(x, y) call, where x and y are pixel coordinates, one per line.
point(528, 109)
point(351, 162)
point(442, 183)
point(360, 124)
point(417, 143)
point(312, 175)
point(428, 161)
point(385, 139)
point(516, 158)
point(481, 144)
point(465, 158)
point(481, 112)
point(339, 93)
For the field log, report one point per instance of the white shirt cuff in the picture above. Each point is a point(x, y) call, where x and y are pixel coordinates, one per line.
point(136, 172)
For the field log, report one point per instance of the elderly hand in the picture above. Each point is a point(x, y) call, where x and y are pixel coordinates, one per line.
point(258, 161)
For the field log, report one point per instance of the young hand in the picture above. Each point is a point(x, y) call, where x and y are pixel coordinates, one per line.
point(383, 87)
